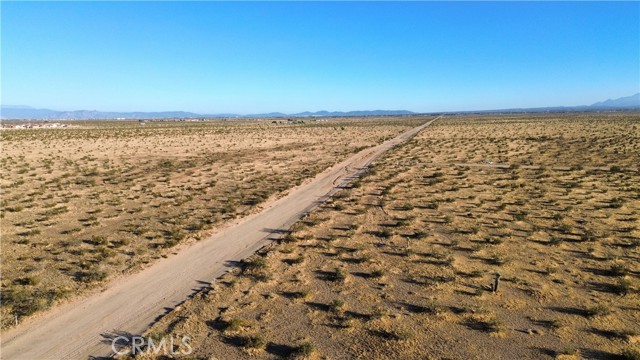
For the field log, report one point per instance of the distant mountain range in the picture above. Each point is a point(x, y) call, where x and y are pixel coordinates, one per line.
point(628, 101)
point(20, 112)
point(621, 104)
point(26, 112)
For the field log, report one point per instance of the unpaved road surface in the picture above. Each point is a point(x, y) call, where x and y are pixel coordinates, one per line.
point(81, 328)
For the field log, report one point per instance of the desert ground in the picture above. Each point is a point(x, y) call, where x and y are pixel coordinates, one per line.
point(85, 205)
point(402, 263)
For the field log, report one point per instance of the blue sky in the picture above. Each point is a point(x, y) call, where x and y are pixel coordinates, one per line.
point(216, 57)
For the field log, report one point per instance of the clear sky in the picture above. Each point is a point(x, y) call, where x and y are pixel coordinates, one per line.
point(217, 57)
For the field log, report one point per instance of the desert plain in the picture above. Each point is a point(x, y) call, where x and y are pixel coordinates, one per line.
point(400, 264)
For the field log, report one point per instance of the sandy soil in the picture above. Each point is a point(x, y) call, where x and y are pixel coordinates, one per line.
point(78, 329)
point(85, 205)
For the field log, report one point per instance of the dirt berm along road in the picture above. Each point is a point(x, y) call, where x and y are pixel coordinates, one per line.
point(81, 328)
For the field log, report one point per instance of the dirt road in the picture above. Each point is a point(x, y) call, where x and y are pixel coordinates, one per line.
point(77, 330)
